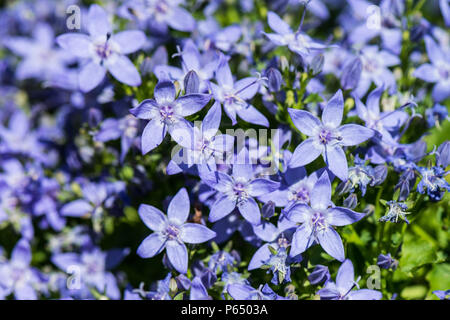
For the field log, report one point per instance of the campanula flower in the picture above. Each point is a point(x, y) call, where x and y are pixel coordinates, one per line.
point(317, 221)
point(385, 261)
point(17, 276)
point(238, 191)
point(172, 231)
point(342, 289)
point(234, 95)
point(103, 51)
point(327, 137)
point(166, 114)
point(40, 59)
point(396, 211)
point(298, 42)
point(437, 71)
point(375, 69)
point(206, 146)
point(433, 181)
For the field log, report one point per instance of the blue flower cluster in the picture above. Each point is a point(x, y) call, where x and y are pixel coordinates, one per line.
point(332, 156)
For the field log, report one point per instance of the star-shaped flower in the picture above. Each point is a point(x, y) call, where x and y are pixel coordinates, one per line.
point(172, 232)
point(327, 137)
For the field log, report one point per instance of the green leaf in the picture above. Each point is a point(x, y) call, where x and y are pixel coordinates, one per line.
point(439, 277)
point(416, 253)
point(414, 292)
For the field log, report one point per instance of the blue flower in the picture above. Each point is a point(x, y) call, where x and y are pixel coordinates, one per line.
point(327, 137)
point(166, 114)
point(317, 221)
point(342, 289)
point(172, 232)
point(103, 51)
point(396, 211)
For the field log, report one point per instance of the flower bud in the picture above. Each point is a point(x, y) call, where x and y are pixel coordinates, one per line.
point(274, 79)
point(191, 82)
point(351, 201)
point(268, 209)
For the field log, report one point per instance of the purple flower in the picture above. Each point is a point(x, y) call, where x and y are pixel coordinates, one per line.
point(159, 13)
point(343, 288)
point(327, 137)
point(233, 95)
point(318, 219)
point(388, 26)
point(203, 64)
point(91, 269)
point(172, 232)
point(385, 261)
point(274, 257)
point(438, 71)
point(238, 190)
point(438, 113)
point(206, 145)
point(298, 42)
point(103, 51)
point(125, 128)
point(17, 276)
point(383, 122)
point(375, 69)
point(396, 211)
point(433, 181)
point(166, 114)
point(40, 59)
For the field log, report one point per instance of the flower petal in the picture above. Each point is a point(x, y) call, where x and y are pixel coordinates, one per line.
point(196, 233)
point(337, 162)
point(124, 70)
point(331, 242)
point(77, 44)
point(76, 208)
point(98, 21)
point(305, 121)
point(301, 240)
point(299, 213)
point(305, 153)
point(345, 276)
point(129, 41)
point(252, 115)
point(249, 209)
point(147, 109)
point(365, 294)
point(90, 76)
point(221, 208)
point(339, 216)
point(277, 24)
point(151, 246)
point(177, 254)
point(321, 193)
point(152, 136)
point(192, 103)
point(179, 207)
point(164, 92)
point(354, 134)
point(258, 187)
point(332, 114)
point(211, 122)
point(152, 217)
